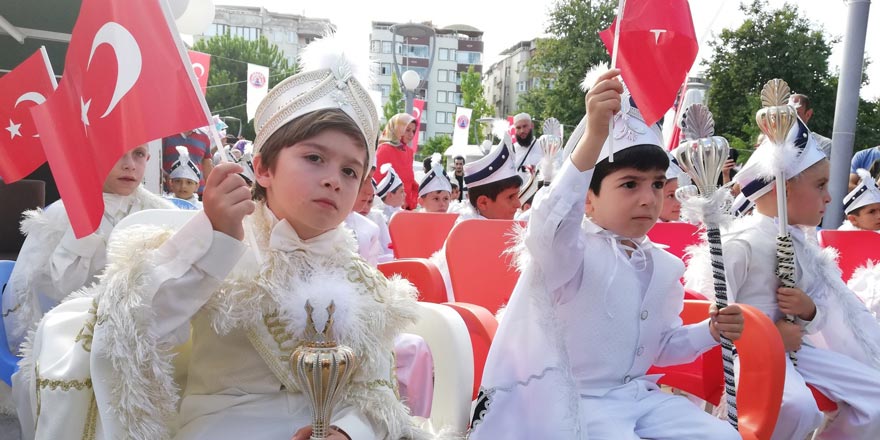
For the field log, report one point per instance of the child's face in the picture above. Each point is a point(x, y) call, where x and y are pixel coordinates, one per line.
point(868, 218)
point(455, 193)
point(315, 182)
point(183, 188)
point(435, 201)
point(629, 201)
point(128, 173)
point(504, 206)
point(395, 198)
point(808, 195)
point(671, 211)
point(364, 201)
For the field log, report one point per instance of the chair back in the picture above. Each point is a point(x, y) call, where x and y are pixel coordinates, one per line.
point(480, 269)
point(855, 248)
point(447, 336)
point(481, 325)
point(762, 371)
point(419, 234)
point(183, 204)
point(422, 273)
point(676, 235)
point(8, 361)
point(16, 198)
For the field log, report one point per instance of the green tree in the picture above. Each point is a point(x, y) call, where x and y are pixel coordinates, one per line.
point(227, 82)
point(472, 97)
point(770, 43)
point(560, 62)
point(395, 100)
point(436, 144)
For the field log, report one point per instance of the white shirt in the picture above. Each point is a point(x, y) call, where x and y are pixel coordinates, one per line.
point(367, 234)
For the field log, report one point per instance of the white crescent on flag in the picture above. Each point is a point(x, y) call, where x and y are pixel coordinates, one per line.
point(128, 59)
point(197, 67)
point(417, 113)
point(34, 97)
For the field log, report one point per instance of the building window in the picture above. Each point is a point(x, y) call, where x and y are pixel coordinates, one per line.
point(467, 57)
point(441, 96)
point(452, 54)
point(444, 54)
point(450, 117)
point(386, 47)
point(216, 29)
point(521, 86)
point(386, 90)
point(376, 46)
point(456, 98)
point(441, 75)
point(441, 117)
point(417, 51)
point(385, 69)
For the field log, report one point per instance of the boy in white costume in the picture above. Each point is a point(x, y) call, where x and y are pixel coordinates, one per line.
point(435, 190)
point(53, 262)
point(597, 303)
point(185, 178)
point(493, 190)
point(243, 307)
point(836, 340)
point(390, 191)
point(526, 196)
point(675, 178)
point(862, 205)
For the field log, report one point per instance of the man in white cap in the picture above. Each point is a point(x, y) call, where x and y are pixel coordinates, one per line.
point(525, 148)
point(185, 177)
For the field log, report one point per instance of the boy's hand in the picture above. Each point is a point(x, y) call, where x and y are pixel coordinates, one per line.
point(727, 322)
point(602, 102)
point(792, 334)
point(793, 301)
point(306, 433)
point(227, 200)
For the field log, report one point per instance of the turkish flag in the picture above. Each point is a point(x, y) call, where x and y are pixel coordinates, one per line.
point(418, 108)
point(201, 65)
point(511, 128)
point(21, 151)
point(126, 82)
point(657, 47)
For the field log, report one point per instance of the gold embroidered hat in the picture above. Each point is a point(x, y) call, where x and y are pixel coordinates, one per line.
point(330, 79)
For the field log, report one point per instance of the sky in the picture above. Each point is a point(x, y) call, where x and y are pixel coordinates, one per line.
point(506, 23)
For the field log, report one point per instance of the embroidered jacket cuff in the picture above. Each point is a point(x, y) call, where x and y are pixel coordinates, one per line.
point(354, 424)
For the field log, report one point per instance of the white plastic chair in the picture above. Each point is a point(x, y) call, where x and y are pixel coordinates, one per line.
point(447, 336)
point(172, 218)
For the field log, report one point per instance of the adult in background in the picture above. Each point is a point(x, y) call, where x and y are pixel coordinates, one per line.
point(801, 103)
point(458, 163)
point(864, 159)
point(525, 148)
point(394, 149)
point(199, 146)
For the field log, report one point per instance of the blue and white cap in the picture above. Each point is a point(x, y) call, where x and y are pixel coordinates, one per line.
point(799, 152)
point(436, 178)
point(864, 194)
point(390, 182)
point(183, 167)
point(495, 166)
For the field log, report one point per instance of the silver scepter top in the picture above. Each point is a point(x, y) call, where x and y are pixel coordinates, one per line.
point(702, 154)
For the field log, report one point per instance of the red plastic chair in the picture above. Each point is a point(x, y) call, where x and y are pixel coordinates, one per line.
point(421, 273)
point(479, 269)
point(481, 325)
point(419, 234)
point(677, 235)
point(762, 361)
point(855, 248)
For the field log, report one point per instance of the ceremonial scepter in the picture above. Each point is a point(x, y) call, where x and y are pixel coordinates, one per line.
point(775, 120)
point(702, 156)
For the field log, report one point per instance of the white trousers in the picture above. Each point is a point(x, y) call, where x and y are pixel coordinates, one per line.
point(640, 410)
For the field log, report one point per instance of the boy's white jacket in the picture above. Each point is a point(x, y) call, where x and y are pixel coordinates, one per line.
point(94, 366)
point(849, 328)
point(45, 230)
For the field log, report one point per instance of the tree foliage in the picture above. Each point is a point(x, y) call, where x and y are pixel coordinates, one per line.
point(472, 97)
point(436, 144)
point(227, 82)
point(561, 61)
point(395, 100)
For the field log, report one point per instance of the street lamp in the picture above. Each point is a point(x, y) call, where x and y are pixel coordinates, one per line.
point(410, 80)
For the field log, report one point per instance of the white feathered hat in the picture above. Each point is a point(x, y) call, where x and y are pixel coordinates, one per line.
point(390, 182)
point(183, 167)
point(864, 194)
point(435, 179)
point(330, 79)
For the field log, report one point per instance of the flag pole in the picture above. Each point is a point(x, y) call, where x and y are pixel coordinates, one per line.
point(49, 67)
point(172, 27)
point(620, 7)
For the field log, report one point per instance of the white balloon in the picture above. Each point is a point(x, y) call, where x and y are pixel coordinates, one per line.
point(178, 7)
point(198, 16)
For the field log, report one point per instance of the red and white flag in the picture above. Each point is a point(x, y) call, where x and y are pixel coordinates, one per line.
point(201, 65)
point(418, 108)
point(29, 84)
point(126, 82)
point(657, 47)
